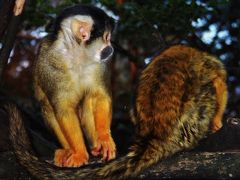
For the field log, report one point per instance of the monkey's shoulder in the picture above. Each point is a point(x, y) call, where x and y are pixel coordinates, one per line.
point(49, 59)
point(186, 58)
point(47, 42)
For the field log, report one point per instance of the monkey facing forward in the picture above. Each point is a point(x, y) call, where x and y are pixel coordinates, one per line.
point(181, 97)
point(72, 84)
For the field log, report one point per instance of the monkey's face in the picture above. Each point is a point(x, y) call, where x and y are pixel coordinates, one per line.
point(90, 36)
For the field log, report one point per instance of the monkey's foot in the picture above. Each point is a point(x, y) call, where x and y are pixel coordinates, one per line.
point(216, 124)
point(68, 158)
point(106, 147)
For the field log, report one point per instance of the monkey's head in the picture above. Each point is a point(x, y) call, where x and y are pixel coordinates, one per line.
point(88, 29)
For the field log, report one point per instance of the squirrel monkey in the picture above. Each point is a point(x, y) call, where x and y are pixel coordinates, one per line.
point(181, 97)
point(72, 84)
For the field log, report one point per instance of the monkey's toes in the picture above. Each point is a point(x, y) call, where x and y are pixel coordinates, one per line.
point(68, 158)
point(106, 147)
point(76, 160)
point(60, 156)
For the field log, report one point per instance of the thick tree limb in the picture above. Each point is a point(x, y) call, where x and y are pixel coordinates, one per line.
point(197, 165)
point(5, 14)
point(8, 41)
point(201, 165)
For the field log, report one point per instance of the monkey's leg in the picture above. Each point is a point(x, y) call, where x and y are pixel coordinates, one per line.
point(87, 121)
point(221, 94)
point(70, 125)
point(103, 116)
point(51, 121)
point(49, 116)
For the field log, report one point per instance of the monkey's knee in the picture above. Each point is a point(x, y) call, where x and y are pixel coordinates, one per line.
point(69, 123)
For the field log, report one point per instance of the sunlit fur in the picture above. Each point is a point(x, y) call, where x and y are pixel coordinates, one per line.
point(72, 84)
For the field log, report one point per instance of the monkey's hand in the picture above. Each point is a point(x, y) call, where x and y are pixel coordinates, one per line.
point(216, 124)
point(106, 147)
point(69, 158)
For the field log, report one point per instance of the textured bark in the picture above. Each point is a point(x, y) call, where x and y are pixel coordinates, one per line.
point(216, 165)
point(5, 14)
point(9, 33)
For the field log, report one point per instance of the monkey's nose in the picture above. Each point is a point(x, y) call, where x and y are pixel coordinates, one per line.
point(107, 52)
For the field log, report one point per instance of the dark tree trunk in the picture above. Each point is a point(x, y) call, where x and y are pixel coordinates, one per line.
point(6, 8)
point(8, 31)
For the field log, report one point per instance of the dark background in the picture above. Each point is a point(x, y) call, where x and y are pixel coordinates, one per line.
point(144, 29)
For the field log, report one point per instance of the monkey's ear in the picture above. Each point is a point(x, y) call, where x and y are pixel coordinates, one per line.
point(81, 30)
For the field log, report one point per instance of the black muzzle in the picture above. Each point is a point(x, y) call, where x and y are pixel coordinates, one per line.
point(107, 52)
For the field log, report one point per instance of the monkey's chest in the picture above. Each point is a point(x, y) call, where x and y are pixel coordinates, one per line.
point(85, 78)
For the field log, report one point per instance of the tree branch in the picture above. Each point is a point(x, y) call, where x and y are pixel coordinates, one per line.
point(8, 41)
point(216, 165)
point(7, 6)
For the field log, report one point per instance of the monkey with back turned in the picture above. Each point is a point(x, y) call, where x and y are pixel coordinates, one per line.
point(181, 97)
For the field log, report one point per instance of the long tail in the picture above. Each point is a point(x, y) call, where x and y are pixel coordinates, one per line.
point(21, 144)
point(144, 153)
point(24, 152)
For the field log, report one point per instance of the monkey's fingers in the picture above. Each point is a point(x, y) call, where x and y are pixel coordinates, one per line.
point(105, 147)
point(68, 158)
point(61, 156)
point(76, 160)
point(108, 151)
point(105, 151)
point(112, 155)
point(97, 150)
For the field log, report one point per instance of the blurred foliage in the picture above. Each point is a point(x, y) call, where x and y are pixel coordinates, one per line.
point(146, 24)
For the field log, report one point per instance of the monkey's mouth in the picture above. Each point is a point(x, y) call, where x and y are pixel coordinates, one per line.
point(106, 53)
